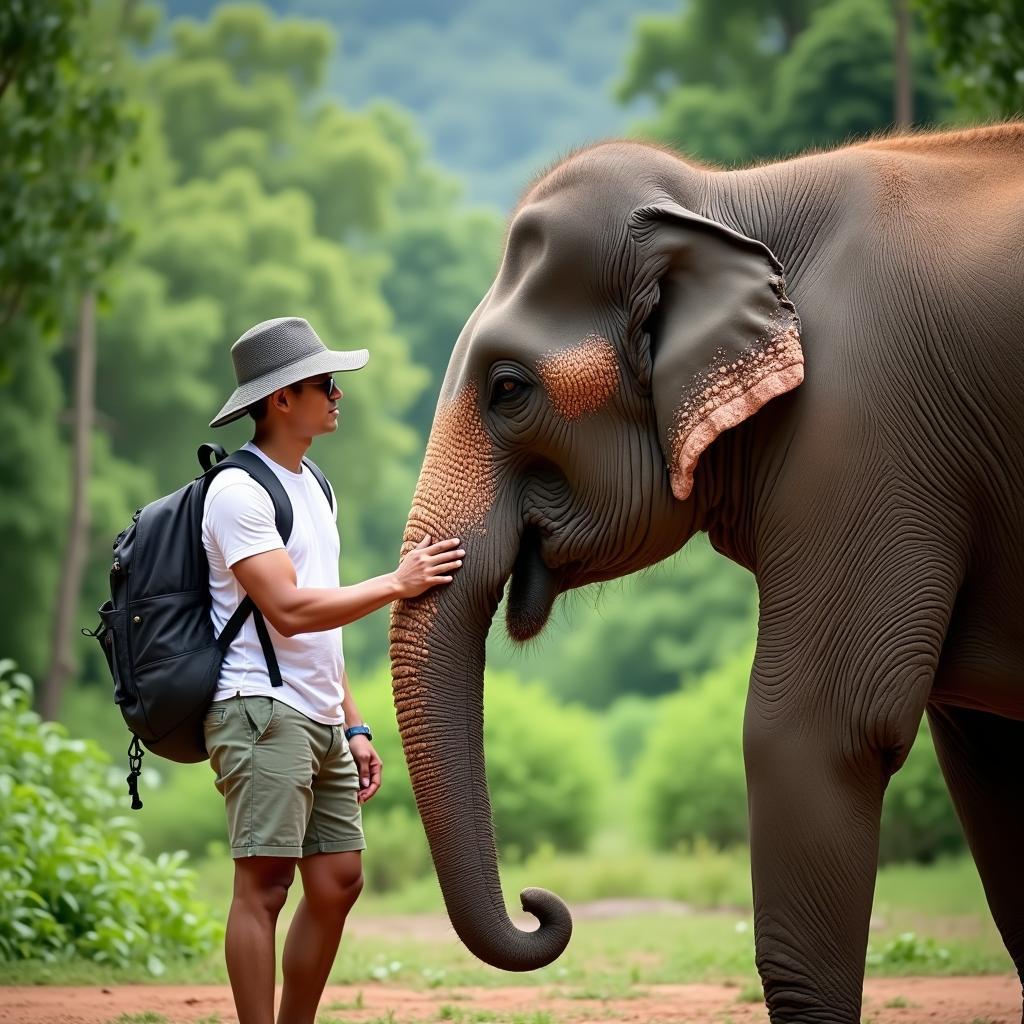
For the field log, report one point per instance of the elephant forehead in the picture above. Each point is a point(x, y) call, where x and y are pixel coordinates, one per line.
point(580, 380)
point(456, 486)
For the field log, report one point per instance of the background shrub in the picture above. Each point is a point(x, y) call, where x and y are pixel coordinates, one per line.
point(692, 782)
point(547, 766)
point(690, 775)
point(73, 878)
point(183, 809)
point(918, 820)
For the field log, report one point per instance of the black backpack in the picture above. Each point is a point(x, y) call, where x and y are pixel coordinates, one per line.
point(156, 631)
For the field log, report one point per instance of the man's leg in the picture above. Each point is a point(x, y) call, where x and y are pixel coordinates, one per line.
point(331, 883)
point(261, 887)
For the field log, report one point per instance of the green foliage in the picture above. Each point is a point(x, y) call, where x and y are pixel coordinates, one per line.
point(546, 766)
point(909, 950)
point(751, 82)
point(35, 492)
point(648, 634)
point(64, 127)
point(690, 775)
point(918, 819)
point(692, 782)
point(73, 880)
point(397, 850)
point(183, 810)
point(697, 874)
point(981, 48)
point(525, 732)
point(837, 81)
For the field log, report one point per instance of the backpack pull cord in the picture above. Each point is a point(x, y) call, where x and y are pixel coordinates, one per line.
point(135, 753)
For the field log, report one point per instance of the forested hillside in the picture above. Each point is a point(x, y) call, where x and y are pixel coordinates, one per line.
point(498, 89)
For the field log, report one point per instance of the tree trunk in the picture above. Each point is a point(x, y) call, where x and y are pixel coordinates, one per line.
point(70, 580)
point(903, 97)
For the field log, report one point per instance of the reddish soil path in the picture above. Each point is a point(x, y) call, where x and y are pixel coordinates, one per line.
point(985, 1000)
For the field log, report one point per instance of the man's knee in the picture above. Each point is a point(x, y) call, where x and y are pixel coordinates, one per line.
point(263, 882)
point(335, 881)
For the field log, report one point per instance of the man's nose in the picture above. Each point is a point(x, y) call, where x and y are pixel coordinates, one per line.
point(337, 393)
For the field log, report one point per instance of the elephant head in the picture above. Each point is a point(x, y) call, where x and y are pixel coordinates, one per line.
point(622, 335)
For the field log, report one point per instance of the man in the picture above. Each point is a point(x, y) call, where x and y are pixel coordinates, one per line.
point(294, 762)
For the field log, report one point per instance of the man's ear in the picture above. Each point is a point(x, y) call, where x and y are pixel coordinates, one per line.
point(719, 336)
point(279, 398)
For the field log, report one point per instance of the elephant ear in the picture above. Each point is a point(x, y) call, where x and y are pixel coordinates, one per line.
point(719, 338)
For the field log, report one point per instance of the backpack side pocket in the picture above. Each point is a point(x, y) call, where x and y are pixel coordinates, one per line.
point(113, 639)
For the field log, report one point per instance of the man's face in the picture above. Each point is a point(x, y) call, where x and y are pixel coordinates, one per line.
point(313, 405)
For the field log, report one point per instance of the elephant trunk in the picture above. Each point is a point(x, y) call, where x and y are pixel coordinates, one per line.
point(437, 667)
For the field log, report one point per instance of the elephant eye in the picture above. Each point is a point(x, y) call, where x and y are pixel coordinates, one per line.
point(506, 388)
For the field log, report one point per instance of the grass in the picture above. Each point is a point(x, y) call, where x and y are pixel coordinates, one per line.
point(930, 920)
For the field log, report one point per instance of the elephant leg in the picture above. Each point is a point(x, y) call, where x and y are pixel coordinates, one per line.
point(845, 661)
point(814, 822)
point(982, 759)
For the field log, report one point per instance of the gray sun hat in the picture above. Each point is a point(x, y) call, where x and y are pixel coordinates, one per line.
point(277, 353)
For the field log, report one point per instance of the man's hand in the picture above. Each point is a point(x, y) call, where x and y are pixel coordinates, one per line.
point(368, 764)
point(427, 565)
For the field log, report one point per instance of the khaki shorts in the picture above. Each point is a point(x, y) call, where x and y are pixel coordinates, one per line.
point(289, 783)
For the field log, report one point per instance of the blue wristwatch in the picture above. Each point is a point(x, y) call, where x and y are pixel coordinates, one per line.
point(359, 730)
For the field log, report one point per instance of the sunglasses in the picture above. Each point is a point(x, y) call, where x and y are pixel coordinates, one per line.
point(326, 386)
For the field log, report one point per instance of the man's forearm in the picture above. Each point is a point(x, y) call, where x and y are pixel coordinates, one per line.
point(313, 609)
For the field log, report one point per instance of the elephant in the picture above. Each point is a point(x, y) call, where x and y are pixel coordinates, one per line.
point(818, 362)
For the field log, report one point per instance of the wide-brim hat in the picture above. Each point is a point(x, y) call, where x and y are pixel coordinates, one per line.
point(276, 353)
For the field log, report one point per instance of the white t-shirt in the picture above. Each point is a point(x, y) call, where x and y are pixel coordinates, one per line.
point(238, 522)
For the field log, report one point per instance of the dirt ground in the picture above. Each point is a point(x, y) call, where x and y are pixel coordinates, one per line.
point(984, 1000)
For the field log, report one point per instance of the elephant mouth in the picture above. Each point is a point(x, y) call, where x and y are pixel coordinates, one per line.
point(532, 590)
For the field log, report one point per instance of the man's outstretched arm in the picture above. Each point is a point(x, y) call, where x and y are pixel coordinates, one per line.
point(269, 579)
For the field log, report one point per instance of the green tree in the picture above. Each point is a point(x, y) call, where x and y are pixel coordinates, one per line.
point(749, 83)
point(64, 126)
point(981, 52)
point(243, 90)
point(838, 80)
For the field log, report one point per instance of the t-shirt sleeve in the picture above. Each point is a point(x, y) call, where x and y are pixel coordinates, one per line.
point(240, 520)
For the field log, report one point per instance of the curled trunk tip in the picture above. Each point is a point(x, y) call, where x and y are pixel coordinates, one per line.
point(554, 917)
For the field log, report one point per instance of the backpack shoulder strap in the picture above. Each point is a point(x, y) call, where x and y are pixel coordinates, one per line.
point(263, 475)
point(318, 473)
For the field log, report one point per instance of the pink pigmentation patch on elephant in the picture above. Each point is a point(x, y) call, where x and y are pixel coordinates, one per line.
point(456, 485)
point(727, 393)
point(580, 380)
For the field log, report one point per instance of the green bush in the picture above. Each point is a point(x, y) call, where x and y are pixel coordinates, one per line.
point(397, 849)
point(547, 765)
point(73, 878)
point(918, 820)
point(183, 809)
point(690, 777)
point(692, 783)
